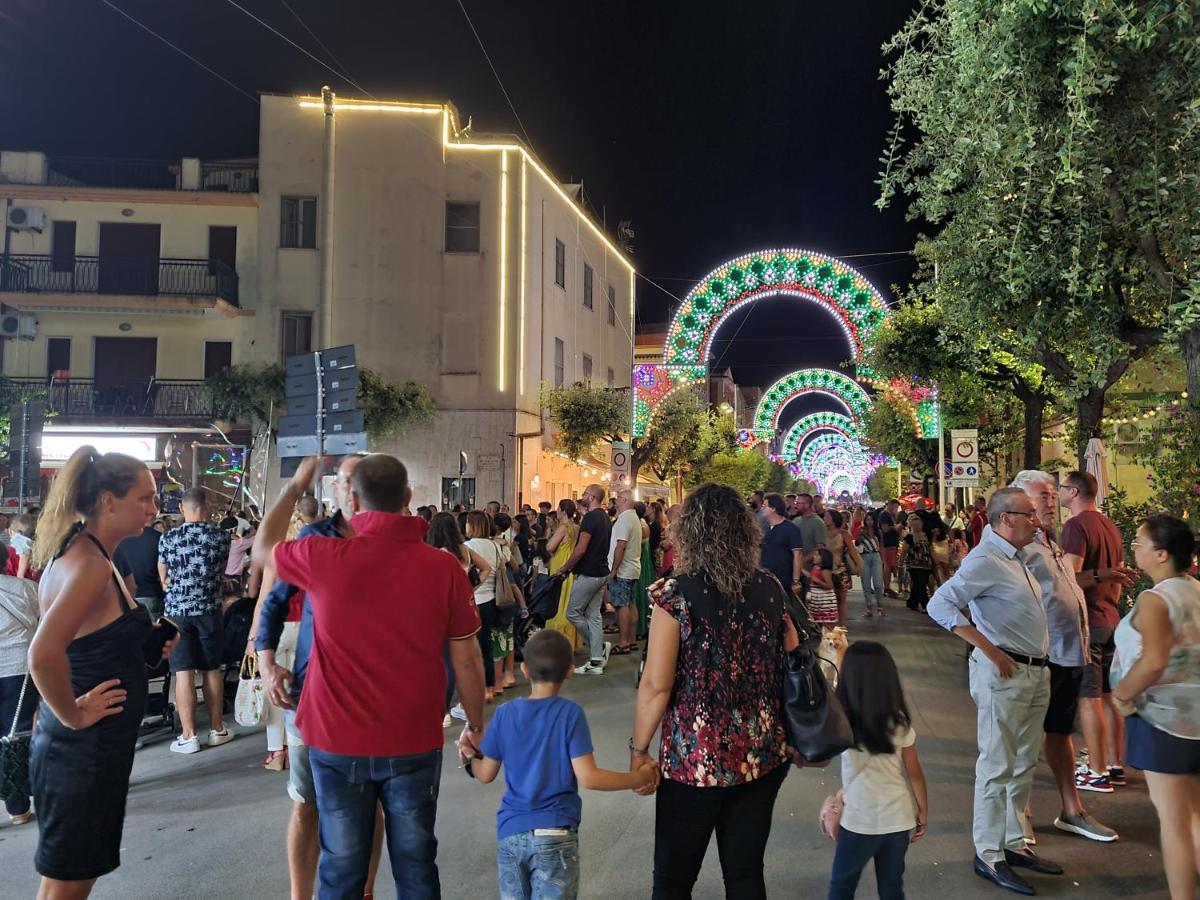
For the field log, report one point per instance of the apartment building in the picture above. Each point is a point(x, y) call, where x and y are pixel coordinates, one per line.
point(125, 284)
point(457, 261)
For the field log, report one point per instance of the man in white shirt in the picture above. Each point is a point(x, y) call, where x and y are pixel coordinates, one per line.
point(624, 570)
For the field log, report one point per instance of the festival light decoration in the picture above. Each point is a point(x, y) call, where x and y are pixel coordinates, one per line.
point(841, 388)
point(652, 384)
point(814, 423)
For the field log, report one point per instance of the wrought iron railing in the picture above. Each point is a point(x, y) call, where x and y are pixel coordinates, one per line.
point(89, 398)
point(29, 273)
point(151, 174)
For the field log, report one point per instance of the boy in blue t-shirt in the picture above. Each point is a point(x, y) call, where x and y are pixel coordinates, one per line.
point(546, 749)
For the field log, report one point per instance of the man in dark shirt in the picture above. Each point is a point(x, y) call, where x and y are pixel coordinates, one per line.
point(589, 563)
point(930, 519)
point(889, 521)
point(1092, 546)
point(978, 521)
point(782, 545)
point(136, 558)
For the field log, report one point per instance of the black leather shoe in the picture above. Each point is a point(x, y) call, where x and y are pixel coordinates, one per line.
point(1003, 876)
point(1030, 860)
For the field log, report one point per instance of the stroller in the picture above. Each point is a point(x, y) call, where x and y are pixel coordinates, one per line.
point(542, 605)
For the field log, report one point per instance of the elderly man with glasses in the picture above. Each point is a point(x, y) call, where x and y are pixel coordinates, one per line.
point(1009, 682)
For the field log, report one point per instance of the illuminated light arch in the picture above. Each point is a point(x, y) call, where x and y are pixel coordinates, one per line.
point(842, 388)
point(854, 301)
point(653, 384)
point(814, 423)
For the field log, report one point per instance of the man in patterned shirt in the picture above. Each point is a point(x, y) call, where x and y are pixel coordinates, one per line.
point(191, 559)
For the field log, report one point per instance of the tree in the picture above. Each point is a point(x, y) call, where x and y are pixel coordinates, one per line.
point(1054, 147)
point(251, 392)
point(743, 470)
point(889, 429)
point(681, 430)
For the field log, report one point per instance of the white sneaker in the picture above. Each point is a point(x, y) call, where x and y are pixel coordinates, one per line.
point(190, 745)
point(447, 721)
point(217, 738)
point(607, 651)
point(590, 668)
point(458, 712)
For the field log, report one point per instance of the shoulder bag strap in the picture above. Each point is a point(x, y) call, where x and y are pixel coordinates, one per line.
point(20, 702)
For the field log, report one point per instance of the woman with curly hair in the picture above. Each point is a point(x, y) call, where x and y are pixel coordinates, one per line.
point(714, 680)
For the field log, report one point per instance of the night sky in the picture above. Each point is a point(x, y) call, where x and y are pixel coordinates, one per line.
point(714, 128)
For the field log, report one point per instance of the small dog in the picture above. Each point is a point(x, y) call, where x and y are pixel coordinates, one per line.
point(833, 647)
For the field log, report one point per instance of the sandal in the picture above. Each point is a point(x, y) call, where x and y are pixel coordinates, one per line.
point(623, 649)
point(276, 761)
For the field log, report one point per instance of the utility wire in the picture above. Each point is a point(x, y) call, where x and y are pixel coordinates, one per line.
point(179, 50)
point(492, 66)
point(342, 75)
point(315, 37)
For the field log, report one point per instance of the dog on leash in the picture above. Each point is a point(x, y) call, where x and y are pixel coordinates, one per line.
point(834, 642)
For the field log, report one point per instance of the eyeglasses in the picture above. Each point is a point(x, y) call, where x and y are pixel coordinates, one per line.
point(1017, 512)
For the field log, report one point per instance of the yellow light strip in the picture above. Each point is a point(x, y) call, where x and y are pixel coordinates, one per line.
point(447, 141)
point(503, 255)
point(521, 341)
point(632, 316)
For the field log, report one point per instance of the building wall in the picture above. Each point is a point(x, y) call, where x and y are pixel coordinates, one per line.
point(482, 345)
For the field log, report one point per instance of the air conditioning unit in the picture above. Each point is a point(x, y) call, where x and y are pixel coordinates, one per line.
point(26, 218)
point(22, 326)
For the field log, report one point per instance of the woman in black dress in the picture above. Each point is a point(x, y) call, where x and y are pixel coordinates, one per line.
point(88, 662)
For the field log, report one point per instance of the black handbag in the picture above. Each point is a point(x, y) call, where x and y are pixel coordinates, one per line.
point(14, 756)
point(817, 726)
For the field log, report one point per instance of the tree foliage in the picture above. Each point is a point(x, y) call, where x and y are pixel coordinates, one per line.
point(250, 392)
point(745, 471)
point(1054, 147)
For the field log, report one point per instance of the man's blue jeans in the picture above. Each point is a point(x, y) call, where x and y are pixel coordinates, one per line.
point(539, 865)
point(348, 788)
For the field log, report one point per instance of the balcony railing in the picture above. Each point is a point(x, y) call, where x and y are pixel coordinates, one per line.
point(151, 174)
point(30, 273)
point(88, 398)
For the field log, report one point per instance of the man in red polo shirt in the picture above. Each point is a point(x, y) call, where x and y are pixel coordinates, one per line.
point(384, 606)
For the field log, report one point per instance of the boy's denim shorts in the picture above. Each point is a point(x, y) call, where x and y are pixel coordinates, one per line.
point(542, 863)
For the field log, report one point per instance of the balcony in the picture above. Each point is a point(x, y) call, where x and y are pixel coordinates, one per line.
point(34, 273)
point(231, 176)
point(85, 398)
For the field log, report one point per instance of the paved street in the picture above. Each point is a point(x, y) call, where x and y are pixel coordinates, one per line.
point(211, 825)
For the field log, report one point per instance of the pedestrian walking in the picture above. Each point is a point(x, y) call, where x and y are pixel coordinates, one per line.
point(889, 529)
point(1009, 683)
point(1156, 685)
point(385, 654)
point(589, 564)
point(560, 547)
point(18, 697)
point(870, 548)
point(88, 662)
point(782, 546)
point(491, 633)
point(545, 747)
point(625, 568)
point(884, 802)
point(723, 752)
point(918, 562)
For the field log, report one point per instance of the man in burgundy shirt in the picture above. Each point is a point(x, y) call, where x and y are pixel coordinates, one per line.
point(979, 521)
point(1092, 546)
point(384, 606)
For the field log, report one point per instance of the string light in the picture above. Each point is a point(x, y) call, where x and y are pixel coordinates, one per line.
point(806, 381)
point(813, 423)
point(652, 384)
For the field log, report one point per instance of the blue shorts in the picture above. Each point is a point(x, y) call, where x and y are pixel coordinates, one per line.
point(621, 590)
point(1153, 750)
point(300, 778)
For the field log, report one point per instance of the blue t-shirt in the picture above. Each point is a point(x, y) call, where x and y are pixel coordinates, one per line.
point(536, 740)
point(778, 546)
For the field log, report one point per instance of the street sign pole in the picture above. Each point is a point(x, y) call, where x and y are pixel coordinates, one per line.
point(941, 464)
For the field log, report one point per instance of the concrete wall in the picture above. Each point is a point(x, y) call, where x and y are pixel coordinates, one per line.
point(416, 312)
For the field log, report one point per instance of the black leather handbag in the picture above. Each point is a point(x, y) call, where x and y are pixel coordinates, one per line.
point(817, 726)
point(14, 756)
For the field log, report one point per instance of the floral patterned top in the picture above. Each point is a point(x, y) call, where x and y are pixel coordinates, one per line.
point(724, 724)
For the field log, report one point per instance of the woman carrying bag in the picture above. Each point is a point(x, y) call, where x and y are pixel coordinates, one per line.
point(18, 696)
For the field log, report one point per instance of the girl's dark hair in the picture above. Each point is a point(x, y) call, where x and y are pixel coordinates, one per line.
point(501, 522)
point(567, 505)
point(826, 558)
point(640, 508)
point(1174, 536)
point(75, 493)
point(835, 517)
point(870, 691)
point(873, 519)
point(444, 534)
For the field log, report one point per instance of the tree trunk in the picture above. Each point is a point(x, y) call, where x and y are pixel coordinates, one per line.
point(1190, 345)
point(1089, 409)
point(1034, 405)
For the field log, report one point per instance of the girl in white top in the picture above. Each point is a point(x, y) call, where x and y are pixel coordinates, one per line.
point(885, 806)
point(1156, 684)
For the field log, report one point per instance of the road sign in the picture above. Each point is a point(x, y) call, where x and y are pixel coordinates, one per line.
point(964, 457)
point(619, 464)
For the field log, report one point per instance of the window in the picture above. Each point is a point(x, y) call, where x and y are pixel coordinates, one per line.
point(218, 356)
point(456, 489)
point(298, 222)
point(58, 354)
point(560, 263)
point(296, 333)
point(587, 286)
point(559, 351)
point(587, 369)
point(612, 378)
point(462, 227)
point(612, 305)
point(222, 247)
point(62, 247)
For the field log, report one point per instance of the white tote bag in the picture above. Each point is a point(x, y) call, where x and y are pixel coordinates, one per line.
point(248, 704)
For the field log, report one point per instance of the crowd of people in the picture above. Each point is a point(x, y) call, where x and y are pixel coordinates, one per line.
point(714, 593)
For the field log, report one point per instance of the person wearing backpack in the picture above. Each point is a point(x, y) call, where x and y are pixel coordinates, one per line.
point(883, 803)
